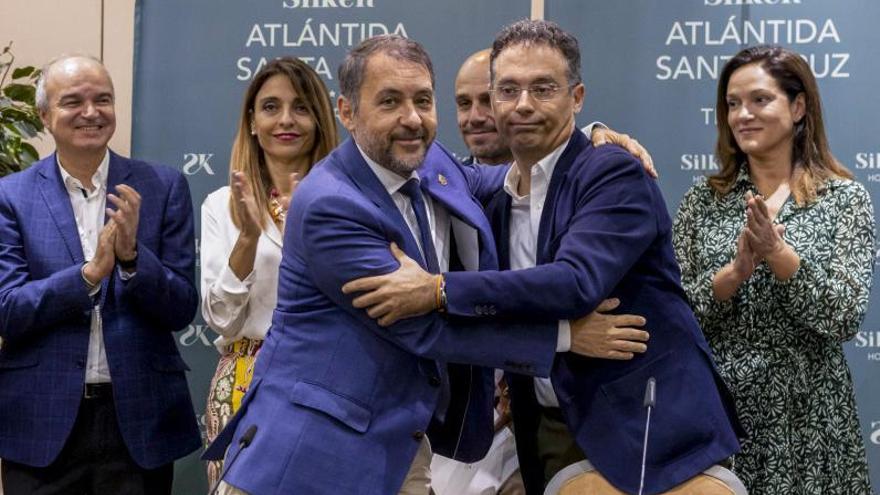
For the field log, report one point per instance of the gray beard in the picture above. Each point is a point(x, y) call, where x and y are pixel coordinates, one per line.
point(385, 158)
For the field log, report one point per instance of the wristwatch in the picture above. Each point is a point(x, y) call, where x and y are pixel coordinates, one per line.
point(128, 265)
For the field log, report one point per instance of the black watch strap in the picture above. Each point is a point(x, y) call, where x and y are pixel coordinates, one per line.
point(128, 264)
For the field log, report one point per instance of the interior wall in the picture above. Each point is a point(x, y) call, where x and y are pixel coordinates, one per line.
point(43, 29)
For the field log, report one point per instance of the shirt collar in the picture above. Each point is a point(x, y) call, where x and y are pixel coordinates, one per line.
point(545, 166)
point(391, 181)
point(99, 178)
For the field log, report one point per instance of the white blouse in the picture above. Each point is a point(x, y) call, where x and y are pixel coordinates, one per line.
point(231, 307)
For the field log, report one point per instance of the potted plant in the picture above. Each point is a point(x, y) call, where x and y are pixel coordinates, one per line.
point(19, 117)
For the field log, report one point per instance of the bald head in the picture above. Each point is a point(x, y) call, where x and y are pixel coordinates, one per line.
point(75, 100)
point(66, 64)
point(476, 121)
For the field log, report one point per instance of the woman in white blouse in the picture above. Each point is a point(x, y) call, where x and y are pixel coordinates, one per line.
point(286, 126)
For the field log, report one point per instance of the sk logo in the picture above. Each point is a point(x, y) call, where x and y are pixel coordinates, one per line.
point(875, 432)
point(195, 162)
point(194, 334)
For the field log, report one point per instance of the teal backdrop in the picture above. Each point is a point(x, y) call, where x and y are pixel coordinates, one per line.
point(650, 69)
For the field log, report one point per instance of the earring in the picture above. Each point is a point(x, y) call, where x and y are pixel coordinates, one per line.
point(253, 131)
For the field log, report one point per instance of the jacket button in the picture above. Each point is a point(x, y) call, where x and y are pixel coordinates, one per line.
point(434, 381)
point(80, 363)
point(418, 435)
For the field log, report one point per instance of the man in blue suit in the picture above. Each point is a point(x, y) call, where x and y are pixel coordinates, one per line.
point(93, 396)
point(339, 404)
point(578, 224)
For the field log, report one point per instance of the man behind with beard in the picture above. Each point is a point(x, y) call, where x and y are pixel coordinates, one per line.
point(337, 403)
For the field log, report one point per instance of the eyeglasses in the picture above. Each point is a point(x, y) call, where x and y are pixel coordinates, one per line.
point(540, 92)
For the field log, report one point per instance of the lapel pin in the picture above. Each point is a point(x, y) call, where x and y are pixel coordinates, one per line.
point(441, 179)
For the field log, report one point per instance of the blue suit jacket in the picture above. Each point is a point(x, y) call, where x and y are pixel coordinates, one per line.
point(605, 232)
point(341, 403)
point(45, 311)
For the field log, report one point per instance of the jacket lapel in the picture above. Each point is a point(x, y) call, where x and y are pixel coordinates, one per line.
point(502, 227)
point(362, 177)
point(58, 205)
point(119, 173)
point(546, 229)
point(443, 181)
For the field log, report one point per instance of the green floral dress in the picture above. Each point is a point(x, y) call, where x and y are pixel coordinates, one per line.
point(779, 344)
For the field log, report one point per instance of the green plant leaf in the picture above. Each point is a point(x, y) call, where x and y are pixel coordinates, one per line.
point(13, 113)
point(11, 131)
point(25, 129)
point(24, 93)
point(29, 153)
point(23, 72)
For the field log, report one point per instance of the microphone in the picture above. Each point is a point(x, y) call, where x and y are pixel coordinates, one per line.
point(648, 403)
point(243, 443)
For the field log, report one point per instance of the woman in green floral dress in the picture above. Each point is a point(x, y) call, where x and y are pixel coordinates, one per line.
point(776, 253)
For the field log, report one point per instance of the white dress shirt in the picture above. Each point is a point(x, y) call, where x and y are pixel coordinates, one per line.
point(88, 210)
point(231, 307)
point(525, 220)
point(438, 217)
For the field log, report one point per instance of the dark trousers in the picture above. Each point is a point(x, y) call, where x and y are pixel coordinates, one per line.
point(556, 446)
point(94, 461)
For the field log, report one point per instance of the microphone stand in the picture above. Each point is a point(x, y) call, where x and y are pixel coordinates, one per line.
point(649, 402)
point(243, 443)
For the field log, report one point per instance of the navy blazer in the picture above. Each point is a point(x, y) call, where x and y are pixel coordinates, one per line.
point(340, 403)
point(45, 313)
point(605, 232)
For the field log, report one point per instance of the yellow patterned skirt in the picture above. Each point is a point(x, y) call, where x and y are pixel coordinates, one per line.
point(230, 383)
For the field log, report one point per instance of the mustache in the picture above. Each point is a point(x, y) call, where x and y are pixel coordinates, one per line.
point(409, 135)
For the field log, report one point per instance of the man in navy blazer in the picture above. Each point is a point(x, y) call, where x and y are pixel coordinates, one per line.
point(96, 272)
point(578, 224)
point(339, 404)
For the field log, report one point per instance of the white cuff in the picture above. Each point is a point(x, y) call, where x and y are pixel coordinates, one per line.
point(93, 289)
point(563, 338)
point(126, 276)
point(588, 129)
point(229, 283)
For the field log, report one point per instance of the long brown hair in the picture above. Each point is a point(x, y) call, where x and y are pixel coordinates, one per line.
point(248, 157)
point(810, 145)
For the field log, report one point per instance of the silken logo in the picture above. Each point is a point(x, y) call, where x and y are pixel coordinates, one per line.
point(195, 334)
point(869, 341)
point(194, 163)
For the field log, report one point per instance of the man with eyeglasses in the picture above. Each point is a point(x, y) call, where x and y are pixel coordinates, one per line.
point(577, 224)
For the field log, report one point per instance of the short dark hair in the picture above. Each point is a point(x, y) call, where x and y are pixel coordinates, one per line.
point(351, 71)
point(534, 32)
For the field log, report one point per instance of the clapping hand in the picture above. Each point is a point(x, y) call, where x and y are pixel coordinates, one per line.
point(126, 217)
point(764, 238)
point(247, 213)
